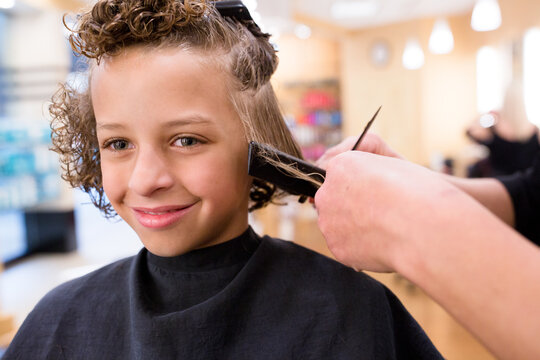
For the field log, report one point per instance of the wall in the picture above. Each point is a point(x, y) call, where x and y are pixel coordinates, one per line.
point(424, 111)
point(365, 88)
point(307, 60)
point(304, 62)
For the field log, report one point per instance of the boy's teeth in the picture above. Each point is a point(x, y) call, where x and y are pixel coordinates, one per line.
point(158, 212)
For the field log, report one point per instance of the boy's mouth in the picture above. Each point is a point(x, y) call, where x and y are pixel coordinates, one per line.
point(156, 213)
point(160, 217)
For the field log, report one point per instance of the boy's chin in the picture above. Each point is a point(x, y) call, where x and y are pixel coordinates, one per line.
point(168, 250)
point(164, 247)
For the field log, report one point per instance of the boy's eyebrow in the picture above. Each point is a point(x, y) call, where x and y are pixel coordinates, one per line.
point(109, 126)
point(195, 119)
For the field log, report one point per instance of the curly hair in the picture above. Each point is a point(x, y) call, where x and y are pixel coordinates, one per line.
point(238, 46)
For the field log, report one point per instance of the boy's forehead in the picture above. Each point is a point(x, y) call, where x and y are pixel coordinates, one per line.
point(169, 85)
point(140, 54)
point(168, 61)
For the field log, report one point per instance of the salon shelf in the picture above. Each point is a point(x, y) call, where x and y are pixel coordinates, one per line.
point(313, 114)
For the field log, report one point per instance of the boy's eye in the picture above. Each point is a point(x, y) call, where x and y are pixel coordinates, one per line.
point(186, 141)
point(119, 145)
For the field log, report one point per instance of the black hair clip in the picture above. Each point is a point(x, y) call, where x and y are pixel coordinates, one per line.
point(237, 10)
point(233, 8)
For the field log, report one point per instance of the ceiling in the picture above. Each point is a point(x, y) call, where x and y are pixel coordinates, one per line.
point(383, 11)
point(279, 14)
point(386, 11)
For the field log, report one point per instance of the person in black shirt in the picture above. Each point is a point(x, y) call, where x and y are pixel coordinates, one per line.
point(505, 156)
point(452, 237)
point(524, 190)
point(508, 135)
point(160, 137)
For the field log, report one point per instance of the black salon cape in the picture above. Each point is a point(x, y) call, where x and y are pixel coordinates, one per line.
point(524, 190)
point(248, 298)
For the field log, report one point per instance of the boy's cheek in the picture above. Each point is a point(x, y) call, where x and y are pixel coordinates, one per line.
point(112, 182)
point(226, 174)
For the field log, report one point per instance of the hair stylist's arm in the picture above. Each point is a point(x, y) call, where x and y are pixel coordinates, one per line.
point(385, 214)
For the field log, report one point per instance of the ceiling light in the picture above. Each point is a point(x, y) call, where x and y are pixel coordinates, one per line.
point(302, 31)
point(441, 40)
point(7, 4)
point(354, 9)
point(486, 15)
point(413, 55)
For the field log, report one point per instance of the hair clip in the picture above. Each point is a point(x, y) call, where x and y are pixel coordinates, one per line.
point(237, 10)
point(233, 8)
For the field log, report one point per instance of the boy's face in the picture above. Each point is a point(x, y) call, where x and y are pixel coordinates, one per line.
point(173, 151)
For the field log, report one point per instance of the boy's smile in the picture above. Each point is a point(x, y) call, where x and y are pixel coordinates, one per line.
point(173, 150)
point(162, 216)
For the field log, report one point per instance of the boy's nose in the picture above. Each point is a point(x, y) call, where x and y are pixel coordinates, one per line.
point(150, 173)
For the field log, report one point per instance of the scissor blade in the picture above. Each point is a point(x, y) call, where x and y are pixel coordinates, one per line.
point(364, 132)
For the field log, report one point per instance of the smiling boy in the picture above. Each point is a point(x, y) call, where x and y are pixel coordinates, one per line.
point(177, 90)
point(173, 162)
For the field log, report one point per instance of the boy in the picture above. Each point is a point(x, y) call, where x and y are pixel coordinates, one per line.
point(176, 92)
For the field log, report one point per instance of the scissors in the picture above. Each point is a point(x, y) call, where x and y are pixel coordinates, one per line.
point(364, 132)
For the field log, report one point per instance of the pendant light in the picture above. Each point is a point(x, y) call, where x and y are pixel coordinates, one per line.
point(441, 40)
point(486, 15)
point(413, 55)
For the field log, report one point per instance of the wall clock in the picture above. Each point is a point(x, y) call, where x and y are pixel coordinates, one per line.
point(379, 53)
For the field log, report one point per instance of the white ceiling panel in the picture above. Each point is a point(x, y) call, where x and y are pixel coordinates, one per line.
point(388, 11)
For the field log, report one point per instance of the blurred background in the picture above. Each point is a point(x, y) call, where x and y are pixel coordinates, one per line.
point(451, 76)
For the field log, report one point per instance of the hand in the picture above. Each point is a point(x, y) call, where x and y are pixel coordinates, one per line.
point(374, 210)
point(370, 143)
